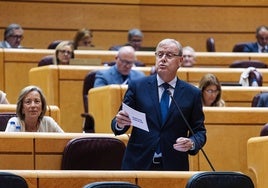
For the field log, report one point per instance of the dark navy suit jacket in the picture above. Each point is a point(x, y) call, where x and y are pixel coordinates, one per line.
point(142, 95)
point(251, 47)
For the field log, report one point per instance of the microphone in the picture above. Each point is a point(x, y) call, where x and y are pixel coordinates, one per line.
point(190, 129)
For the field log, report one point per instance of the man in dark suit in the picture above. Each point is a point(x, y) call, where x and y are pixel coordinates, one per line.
point(167, 144)
point(135, 38)
point(261, 46)
point(121, 72)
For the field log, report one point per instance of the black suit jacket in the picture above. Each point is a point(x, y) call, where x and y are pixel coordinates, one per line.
point(142, 95)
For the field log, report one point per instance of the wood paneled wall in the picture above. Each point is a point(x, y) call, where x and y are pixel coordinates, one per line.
point(191, 22)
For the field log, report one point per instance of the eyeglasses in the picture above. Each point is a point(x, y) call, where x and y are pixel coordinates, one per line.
point(211, 91)
point(65, 52)
point(126, 62)
point(17, 37)
point(168, 55)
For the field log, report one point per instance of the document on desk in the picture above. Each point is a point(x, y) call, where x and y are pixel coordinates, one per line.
point(138, 119)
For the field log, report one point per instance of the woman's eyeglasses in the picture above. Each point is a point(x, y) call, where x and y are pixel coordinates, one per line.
point(211, 91)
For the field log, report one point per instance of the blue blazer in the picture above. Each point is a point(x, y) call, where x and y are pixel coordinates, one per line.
point(142, 95)
point(112, 76)
point(251, 47)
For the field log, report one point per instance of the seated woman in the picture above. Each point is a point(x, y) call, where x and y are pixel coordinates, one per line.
point(31, 109)
point(83, 38)
point(62, 56)
point(211, 90)
point(64, 52)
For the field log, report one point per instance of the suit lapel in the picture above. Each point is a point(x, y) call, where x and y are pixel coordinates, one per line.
point(153, 92)
point(178, 92)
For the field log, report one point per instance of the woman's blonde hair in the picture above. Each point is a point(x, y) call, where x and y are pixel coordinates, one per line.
point(21, 97)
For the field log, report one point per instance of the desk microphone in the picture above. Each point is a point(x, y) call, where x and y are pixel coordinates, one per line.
point(190, 129)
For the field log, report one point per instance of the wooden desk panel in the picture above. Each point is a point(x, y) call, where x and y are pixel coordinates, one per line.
point(78, 179)
point(257, 158)
point(16, 151)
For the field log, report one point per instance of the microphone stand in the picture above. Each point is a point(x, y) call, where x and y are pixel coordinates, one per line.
point(190, 129)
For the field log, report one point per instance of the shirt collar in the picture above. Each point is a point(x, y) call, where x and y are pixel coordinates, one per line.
point(172, 83)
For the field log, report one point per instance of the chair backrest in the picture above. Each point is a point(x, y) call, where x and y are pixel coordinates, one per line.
point(260, 100)
point(87, 85)
point(4, 117)
point(248, 63)
point(10, 180)
point(255, 76)
point(211, 45)
point(251, 77)
point(219, 180)
point(46, 60)
point(239, 47)
point(93, 153)
point(54, 44)
point(111, 184)
point(264, 130)
point(89, 122)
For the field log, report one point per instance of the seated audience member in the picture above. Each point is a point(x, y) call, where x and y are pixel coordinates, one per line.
point(3, 98)
point(211, 90)
point(121, 72)
point(135, 37)
point(63, 54)
point(31, 109)
point(13, 36)
point(189, 57)
point(84, 38)
point(261, 45)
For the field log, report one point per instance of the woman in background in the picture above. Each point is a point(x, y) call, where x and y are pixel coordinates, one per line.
point(84, 38)
point(211, 90)
point(63, 54)
point(31, 109)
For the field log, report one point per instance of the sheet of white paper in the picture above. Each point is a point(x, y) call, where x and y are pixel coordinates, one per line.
point(137, 118)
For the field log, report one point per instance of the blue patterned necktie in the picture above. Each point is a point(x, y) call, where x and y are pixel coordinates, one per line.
point(164, 102)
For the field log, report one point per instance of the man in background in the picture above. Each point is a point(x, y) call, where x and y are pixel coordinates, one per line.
point(13, 36)
point(135, 37)
point(261, 46)
point(121, 72)
point(189, 57)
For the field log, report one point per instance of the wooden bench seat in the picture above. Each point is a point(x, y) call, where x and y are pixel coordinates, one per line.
point(205, 18)
point(78, 179)
point(16, 63)
point(38, 151)
point(49, 148)
point(62, 86)
point(104, 102)
point(228, 127)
